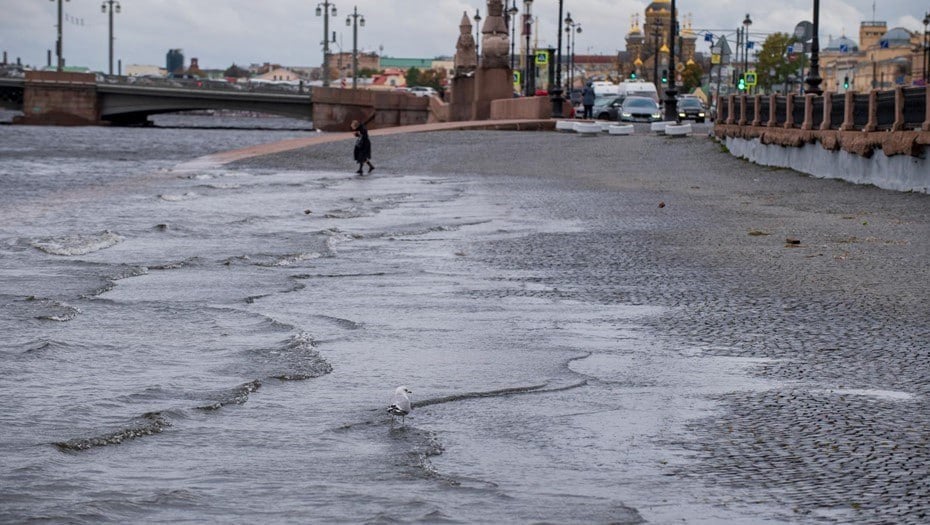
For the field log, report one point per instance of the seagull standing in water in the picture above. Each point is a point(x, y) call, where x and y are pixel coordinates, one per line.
point(400, 404)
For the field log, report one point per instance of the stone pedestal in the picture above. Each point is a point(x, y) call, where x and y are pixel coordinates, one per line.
point(491, 84)
point(60, 99)
point(462, 105)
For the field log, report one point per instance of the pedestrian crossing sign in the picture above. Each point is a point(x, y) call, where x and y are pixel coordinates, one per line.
point(542, 58)
point(751, 78)
point(516, 78)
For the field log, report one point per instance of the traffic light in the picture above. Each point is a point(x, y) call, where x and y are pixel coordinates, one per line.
point(742, 83)
point(665, 76)
point(633, 75)
point(846, 82)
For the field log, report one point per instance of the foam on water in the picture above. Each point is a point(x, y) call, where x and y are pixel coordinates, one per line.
point(78, 244)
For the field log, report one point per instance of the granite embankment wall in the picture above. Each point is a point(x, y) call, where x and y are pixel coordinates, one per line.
point(334, 109)
point(880, 138)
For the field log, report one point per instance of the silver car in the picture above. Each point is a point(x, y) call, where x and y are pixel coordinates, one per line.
point(640, 109)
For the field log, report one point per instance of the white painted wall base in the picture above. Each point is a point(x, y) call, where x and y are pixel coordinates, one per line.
point(899, 173)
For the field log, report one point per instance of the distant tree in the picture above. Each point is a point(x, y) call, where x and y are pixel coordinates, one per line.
point(412, 77)
point(235, 71)
point(367, 72)
point(434, 78)
point(773, 58)
point(691, 77)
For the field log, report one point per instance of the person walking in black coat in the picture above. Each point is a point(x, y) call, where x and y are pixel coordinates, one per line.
point(362, 151)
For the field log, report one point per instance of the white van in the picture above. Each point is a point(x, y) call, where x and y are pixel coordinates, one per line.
point(638, 89)
point(603, 88)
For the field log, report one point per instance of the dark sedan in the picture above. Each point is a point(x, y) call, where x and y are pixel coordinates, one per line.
point(640, 109)
point(607, 108)
point(691, 109)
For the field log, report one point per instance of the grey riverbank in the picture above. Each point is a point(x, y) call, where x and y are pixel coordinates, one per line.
point(839, 321)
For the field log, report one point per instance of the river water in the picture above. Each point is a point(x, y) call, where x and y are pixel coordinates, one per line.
point(189, 343)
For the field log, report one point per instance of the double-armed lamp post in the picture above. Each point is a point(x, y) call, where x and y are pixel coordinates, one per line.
point(59, 45)
point(325, 9)
point(511, 24)
point(571, 27)
point(113, 7)
point(355, 20)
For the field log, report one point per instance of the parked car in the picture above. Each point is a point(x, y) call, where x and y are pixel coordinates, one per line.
point(423, 91)
point(691, 109)
point(607, 108)
point(640, 109)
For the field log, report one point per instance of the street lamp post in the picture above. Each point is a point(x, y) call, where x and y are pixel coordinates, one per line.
point(813, 80)
point(746, 23)
point(529, 87)
point(113, 5)
point(511, 24)
point(555, 94)
point(671, 102)
point(355, 20)
point(59, 45)
point(323, 9)
point(477, 19)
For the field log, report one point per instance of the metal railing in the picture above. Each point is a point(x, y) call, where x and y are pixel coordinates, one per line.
point(900, 109)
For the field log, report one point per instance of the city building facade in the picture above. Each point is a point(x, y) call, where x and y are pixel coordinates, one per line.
point(882, 59)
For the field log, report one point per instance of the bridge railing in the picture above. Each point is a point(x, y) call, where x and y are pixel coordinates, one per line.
point(901, 109)
point(205, 84)
point(14, 72)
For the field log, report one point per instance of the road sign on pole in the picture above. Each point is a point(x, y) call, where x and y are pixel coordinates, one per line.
point(751, 78)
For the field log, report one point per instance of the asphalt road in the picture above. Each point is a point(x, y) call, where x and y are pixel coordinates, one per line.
point(827, 283)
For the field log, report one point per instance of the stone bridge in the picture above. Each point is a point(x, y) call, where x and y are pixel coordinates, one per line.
point(78, 99)
point(52, 98)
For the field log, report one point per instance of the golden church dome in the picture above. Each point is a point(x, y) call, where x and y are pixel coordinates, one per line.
point(659, 5)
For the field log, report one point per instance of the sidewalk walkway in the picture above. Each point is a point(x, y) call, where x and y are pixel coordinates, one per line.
point(325, 138)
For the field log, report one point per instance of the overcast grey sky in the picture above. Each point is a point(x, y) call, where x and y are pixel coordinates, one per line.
point(222, 32)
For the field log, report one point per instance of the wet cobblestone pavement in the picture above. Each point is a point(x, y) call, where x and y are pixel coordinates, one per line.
point(839, 321)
